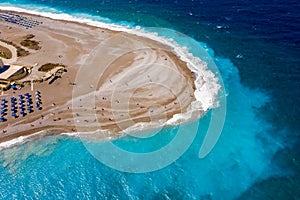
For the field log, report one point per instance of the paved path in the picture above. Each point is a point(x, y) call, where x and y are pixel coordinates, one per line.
point(13, 51)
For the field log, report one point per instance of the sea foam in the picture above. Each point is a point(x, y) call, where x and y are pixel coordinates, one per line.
point(20, 140)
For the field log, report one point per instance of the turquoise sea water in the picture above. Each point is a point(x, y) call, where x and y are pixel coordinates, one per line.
point(256, 154)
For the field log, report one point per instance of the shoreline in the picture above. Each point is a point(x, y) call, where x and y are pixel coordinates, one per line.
point(176, 117)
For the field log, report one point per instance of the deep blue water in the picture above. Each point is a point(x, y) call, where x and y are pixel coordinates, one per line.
point(255, 45)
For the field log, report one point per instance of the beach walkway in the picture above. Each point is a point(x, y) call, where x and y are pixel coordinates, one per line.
point(13, 52)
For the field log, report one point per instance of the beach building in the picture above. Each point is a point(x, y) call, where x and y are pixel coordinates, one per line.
point(10, 73)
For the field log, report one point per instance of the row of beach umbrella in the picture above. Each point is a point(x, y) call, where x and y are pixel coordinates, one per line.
point(3, 110)
point(19, 19)
point(23, 102)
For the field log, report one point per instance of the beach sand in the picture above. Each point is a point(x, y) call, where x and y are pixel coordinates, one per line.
point(113, 80)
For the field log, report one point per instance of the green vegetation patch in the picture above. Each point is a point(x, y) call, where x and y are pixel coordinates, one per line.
point(49, 66)
point(5, 53)
point(29, 36)
point(20, 51)
point(29, 43)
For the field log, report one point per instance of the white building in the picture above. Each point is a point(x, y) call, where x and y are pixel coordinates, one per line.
point(10, 73)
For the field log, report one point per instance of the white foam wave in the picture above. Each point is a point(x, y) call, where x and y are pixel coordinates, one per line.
point(20, 140)
point(206, 83)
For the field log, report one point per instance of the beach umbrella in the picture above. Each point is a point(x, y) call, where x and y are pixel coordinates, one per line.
point(2, 119)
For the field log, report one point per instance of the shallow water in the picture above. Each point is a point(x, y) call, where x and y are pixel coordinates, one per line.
point(257, 54)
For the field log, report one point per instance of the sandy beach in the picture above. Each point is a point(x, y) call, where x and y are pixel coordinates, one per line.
point(114, 80)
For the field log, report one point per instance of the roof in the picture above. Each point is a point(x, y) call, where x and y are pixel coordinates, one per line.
point(10, 71)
